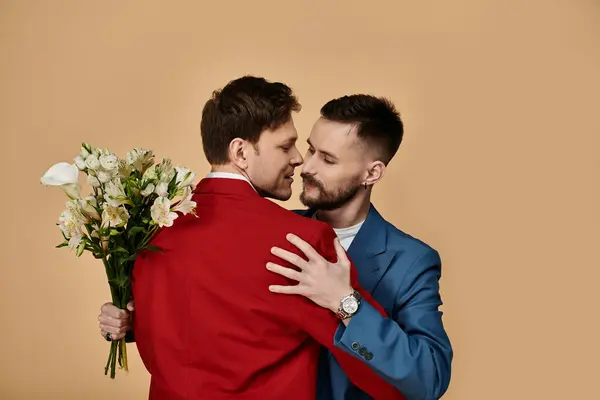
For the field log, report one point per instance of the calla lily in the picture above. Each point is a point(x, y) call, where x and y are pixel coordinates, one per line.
point(64, 175)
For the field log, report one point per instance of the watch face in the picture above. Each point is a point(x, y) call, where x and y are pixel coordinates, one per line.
point(350, 305)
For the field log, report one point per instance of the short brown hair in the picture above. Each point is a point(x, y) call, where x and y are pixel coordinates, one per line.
point(377, 121)
point(244, 108)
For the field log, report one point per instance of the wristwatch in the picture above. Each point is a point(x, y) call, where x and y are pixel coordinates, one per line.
point(348, 305)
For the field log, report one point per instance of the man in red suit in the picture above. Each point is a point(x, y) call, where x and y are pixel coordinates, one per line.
point(206, 326)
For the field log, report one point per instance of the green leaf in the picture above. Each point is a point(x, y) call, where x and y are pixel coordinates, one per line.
point(80, 248)
point(118, 250)
point(114, 232)
point(63, 244)
point(120, 281)
point(135, 230)
point(127, 259)
point(153, 248)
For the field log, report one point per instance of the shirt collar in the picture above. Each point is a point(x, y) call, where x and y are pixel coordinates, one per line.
point(229, 175)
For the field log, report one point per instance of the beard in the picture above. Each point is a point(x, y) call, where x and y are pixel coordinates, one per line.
point(273, 193)
point(328, 199)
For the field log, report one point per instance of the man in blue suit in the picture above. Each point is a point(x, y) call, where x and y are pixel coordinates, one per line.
point(350, 147)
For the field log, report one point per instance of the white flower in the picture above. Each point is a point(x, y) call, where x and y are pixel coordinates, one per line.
point(88, 207)
point(140, 158)
point(150, 174)
point(186, 205)
point(162, 189)
point(165, 171)
point(109, 162)
point(64, 175)
point(124, 169)
point(161, 212)
point(93, 181)
point(74, 208)
point(103, 152)
point(185, 177)
point(114, 216)
point(84, 153)
point(148, 190)
point(114, 193)
point(92, 162)
point(71, 228)
point(60, 174)
point(80, 162)
point(104, 176)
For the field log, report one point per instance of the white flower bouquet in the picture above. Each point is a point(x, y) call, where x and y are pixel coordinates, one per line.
point(131, 199)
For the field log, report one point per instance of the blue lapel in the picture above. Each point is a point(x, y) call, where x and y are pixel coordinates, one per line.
point(368, 249)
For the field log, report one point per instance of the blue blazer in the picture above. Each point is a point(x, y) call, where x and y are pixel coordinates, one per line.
point(411, 349)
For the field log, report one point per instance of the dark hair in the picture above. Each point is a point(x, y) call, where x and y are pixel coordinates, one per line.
point(378, 123)
point(244, 108)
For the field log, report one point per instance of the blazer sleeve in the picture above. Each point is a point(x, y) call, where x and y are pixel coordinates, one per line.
point(412, 350)
point(321, 324)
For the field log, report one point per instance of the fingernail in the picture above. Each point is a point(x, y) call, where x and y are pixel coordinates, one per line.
point(290, 236)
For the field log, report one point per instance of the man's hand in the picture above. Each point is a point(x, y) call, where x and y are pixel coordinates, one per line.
point(115, 321)
point(319, 280)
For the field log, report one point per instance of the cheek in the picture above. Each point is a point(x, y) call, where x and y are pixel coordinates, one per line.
point(272, 164)
point(340, 180)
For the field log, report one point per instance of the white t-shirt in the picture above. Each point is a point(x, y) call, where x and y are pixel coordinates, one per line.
point(346, 235)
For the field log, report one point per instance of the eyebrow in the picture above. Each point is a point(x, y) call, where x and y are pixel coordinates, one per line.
point(328, 154)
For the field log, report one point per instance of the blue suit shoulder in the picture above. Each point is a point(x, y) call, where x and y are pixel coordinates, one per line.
point(400, 241)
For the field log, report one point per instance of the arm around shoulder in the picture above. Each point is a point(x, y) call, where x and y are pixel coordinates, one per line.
point(321, 324)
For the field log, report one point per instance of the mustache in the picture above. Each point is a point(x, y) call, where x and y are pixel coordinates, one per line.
point(311, 180)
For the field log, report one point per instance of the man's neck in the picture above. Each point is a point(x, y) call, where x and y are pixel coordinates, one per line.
point(228, 168)
point(350, 214)
point(232, 170)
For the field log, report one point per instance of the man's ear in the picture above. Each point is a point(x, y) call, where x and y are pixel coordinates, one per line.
point(375, 172)
point(238, 153)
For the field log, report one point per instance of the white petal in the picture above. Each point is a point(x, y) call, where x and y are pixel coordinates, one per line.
point(60, 174)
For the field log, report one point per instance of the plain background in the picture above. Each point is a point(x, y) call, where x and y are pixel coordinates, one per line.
point(498, 170)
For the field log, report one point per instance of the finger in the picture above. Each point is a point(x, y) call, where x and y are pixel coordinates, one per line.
point(121, 315)
point(283, 271)
point(117, 323)
point(112, 330)
point(304, 247)
point(342, 257)
point(113, 336)
point(131, 305)
point(290, 257)
point(295, 289)
point(111, 310)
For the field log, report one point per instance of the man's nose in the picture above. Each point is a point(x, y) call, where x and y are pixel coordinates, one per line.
point(308, 167)
point(296, 159)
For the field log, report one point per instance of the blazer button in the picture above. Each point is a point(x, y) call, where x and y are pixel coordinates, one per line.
point(369, 356)
point(363, 352)
point(355, 345)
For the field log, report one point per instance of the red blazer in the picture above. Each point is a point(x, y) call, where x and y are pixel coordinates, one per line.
point(206, 325)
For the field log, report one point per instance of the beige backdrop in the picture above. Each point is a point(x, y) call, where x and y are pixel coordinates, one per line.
point(499, 169)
